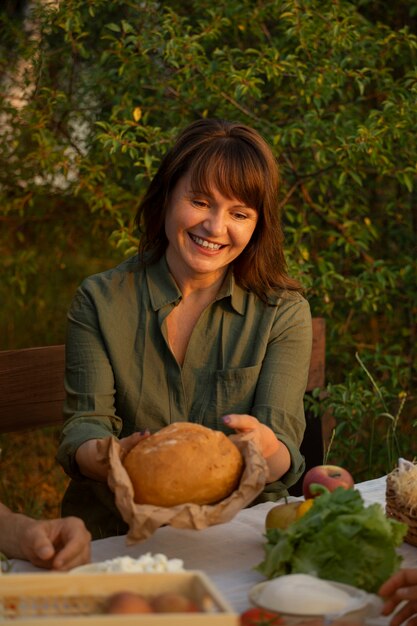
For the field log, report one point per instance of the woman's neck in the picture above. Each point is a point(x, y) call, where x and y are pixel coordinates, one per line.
point(199, 285)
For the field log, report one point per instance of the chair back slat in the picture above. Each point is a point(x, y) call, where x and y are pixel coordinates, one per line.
point(31, 387)
point(317, 372)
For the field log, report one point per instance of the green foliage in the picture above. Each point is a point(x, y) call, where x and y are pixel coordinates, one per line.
point(371, 430)
point(105, 86)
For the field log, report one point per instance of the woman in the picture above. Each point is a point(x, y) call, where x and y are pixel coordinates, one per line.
point(203, 325)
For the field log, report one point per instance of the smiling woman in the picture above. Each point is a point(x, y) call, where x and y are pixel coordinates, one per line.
point(203, 325)
point(206, 232)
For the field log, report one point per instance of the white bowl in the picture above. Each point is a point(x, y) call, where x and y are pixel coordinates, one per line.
point(359, 605)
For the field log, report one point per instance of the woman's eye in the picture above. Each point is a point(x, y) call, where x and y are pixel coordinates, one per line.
point(201, 204)
point(240, 216)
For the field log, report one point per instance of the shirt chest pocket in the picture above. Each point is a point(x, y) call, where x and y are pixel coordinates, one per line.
point(228, 391)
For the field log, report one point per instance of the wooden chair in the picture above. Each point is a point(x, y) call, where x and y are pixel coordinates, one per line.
point(32, 382)
point(31, 387)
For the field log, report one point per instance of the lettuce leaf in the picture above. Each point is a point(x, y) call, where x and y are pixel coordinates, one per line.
point(337, 539)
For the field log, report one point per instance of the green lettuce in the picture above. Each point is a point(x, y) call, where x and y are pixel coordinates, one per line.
point(337, 539)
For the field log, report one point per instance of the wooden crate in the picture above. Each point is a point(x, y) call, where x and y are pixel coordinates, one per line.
point(78, 599)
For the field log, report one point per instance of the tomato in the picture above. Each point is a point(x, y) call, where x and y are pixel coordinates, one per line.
point(260, 617)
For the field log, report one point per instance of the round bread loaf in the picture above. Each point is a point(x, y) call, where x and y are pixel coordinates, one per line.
point(184, 462)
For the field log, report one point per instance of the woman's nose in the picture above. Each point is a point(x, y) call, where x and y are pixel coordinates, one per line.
point(215, 223)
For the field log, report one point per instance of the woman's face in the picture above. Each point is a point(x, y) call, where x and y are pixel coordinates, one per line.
point(205, 232)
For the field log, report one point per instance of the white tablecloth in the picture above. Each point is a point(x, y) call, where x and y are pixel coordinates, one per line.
point(227, 553)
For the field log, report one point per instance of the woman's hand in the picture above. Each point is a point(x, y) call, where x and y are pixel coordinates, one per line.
point(127, 443)
point(89, 459)
point(401, 587)
point(274, 451)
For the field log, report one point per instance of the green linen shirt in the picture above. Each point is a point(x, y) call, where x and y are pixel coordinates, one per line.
point(243, 357)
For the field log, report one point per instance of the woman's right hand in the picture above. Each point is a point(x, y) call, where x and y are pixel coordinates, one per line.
point(127, 443)
point(90, 462)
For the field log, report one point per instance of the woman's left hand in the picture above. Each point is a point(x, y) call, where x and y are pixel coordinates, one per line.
point(274, 451)
point(263, 435)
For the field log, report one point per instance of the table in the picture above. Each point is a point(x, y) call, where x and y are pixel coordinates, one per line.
point(227, 553)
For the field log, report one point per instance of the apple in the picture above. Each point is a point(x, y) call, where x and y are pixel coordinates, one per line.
point(329, 476)
point(281, 515)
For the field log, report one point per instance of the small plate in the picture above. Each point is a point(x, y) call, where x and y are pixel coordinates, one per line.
point(361, 604)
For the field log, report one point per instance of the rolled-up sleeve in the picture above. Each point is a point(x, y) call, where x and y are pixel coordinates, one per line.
point(89, 406)
point(279, 399)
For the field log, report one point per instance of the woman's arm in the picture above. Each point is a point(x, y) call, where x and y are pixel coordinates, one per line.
point(89, 406)
point(89, 459)
point(277, 415)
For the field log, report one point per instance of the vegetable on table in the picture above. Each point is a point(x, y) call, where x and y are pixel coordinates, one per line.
point(260, 617)
point(338, 539)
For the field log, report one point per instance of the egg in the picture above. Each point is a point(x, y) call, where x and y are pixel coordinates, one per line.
point(171, 602)
point(127, 602)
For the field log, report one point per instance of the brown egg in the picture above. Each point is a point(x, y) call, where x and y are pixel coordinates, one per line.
point(171, 602)
point(128, 602)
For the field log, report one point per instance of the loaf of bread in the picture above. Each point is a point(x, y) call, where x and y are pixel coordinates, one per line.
point(184, 462)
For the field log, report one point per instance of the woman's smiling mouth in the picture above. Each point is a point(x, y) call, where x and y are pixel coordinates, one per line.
point(205, 244)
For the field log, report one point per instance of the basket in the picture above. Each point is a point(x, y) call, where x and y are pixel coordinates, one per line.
point(395, 508)
point(77, 600)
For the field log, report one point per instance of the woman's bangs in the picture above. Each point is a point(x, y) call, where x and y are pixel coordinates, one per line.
point(232, 170)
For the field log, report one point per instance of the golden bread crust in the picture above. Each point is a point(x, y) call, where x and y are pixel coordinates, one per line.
point(184, 462)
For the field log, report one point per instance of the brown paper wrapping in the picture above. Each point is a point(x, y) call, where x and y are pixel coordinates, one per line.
point(144, 519)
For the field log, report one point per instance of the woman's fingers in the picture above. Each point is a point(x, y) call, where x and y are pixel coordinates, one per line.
point(241, 423)
point(264, 436)
point(127, 443)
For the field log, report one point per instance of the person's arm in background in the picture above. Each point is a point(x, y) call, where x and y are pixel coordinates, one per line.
point(401, 587)
point(59, 544)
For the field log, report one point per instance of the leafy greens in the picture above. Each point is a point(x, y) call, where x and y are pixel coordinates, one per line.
point(337, 539)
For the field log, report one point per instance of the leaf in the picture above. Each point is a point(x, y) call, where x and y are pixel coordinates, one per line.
point(137, 114)
point(113, 27)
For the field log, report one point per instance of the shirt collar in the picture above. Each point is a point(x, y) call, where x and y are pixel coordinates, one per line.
point(230, 289)
point(162, 287)
point(164, 290)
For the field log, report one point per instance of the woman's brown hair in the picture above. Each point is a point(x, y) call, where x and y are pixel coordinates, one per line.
point(237, 161)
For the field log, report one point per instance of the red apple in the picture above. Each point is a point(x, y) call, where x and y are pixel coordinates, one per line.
point(330, 476)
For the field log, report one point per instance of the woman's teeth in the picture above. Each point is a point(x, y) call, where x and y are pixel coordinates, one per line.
point(206, 244)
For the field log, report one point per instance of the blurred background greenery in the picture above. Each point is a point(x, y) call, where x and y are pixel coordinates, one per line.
point(93, 92)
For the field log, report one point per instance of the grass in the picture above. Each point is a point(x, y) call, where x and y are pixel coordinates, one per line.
point(31, 481)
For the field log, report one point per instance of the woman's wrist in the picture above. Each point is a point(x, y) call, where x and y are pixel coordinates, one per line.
point(89, 462)
point(279, 462)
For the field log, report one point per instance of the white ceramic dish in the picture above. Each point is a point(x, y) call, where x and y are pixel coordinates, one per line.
point(361, 605)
